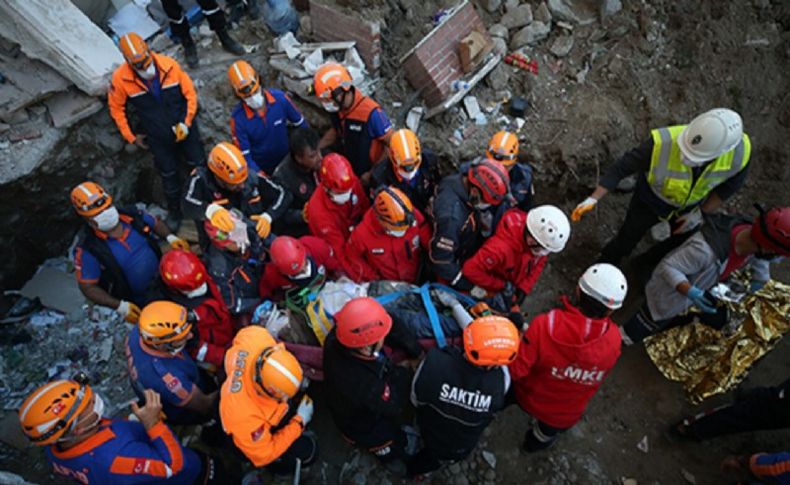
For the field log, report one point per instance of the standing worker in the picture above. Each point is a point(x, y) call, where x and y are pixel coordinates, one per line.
point(359, 125)
point(179, 26)
point(681, 170)
point(565, 355)
point(165, 102)
point(503, 147)
point(259, 122)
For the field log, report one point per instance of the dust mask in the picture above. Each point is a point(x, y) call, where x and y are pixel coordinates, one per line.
point(255, 101)
point(407, 175)
point(306, 272)
point(148, 73)
point(199, 291)
point(341, 198)
point(330, 106)
point(107, 219)
point(482, 206)
point(539, 251)
point(98, 411)
point(397, 233)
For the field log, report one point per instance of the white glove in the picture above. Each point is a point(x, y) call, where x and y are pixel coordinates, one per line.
point(129, 311)
point(478, 292)
point(687, 222)
point(584, 207)
point(446, 298)
point(305, 409)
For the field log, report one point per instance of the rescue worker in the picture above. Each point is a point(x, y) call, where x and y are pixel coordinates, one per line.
point(510, 262)
point(360, 128)
point(411, 169)
point(681, 170)
point(465, 213)
point(165, 103)
point(458, 391)
point(298, 174)
point(758, 467)
point(297, 263)
point(503, 147)
point(686, 276)
point(117, 255)
point(365, 391)
point(338, 204)
point(261, 408)
point(156, 360)
point(260, 120)
point(390, 241)
point(228, 184)
point(566, 353)
point(183, 279)
point(67, 417)
point(179, 27)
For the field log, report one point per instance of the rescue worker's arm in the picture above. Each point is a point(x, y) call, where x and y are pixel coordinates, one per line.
point(527, 352)
point(484, 268)
point(241, 140)
point(329, 138)
point(261, 446)
point(323, 228)
point(98, 295)
point(527, 281)
point(196, 198)
point(426, 231)
point(633, 161)
point(689, 259)
point(356, 265)
point(294, 116)
point(444, 245)
point(381, 398)
point(771, 467)
point(116, 100)
point(200, 402)
point(725, 191)
point(276, 199)
point(188, 90)
point(88, 272)
point(380, 129)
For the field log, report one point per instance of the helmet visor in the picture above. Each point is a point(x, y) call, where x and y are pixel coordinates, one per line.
point(503, 157)
point(142, 64)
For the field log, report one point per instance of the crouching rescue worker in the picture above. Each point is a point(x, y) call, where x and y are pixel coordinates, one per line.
point(164, 100)
point(117, 255)
point(465, 214)
point(228, 184)
point(390, 241)
point(67, 417)
point(457, 391)
point(565, 355)
point(262, 408)
point(510, 262)
point(503, 147)
point(366, 391)
point(259, 122)
point(685, 276)
point(183, 279)
point(297, 263)
point(298, 174)
point(338, 204)
point(156, 359)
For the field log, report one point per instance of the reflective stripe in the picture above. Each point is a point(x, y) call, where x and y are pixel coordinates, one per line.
point(231, 155)
point(43, 390)
point(329, 74)
point(504, 140)
point(284, 371)
point(406, 151)
point(130, 45)
point(238, 72)
point(166, 86)
point(211, 12)
point(141, 93)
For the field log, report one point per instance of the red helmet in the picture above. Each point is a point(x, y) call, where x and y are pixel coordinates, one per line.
point(771, 230)
point(491, 178)
point(336, 173)
point(288, 255)
point(182, 270)
point(362, 321)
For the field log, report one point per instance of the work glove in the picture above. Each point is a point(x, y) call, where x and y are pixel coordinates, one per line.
point(176, 242)
point(584, 207)
point(687, 222)
point(262, 312)
point(181, 131)
point(305, 409)
point(264, 225)
point(129, 311)
point(219, 217)
point(478, 292)
point(700, 300)
point(756, 285)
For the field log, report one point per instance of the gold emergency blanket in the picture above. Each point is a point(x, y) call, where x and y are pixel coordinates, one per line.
point(710, 362)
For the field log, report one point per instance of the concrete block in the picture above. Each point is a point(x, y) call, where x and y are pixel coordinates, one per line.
point(67, 108)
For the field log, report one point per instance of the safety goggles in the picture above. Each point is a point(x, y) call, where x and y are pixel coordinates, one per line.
point(248, 89)
point(503, 157)
point(143, 64)
point(96, 204)
point(409, 164)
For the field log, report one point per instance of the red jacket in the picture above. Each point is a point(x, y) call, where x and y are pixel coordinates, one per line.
point(563, 359)
point(505, 257)
point(214, 328)
point(372, 254)
point(274, 284)
point(332, 222)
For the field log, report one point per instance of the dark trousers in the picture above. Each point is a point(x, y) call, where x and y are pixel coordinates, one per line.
point(540, 436)
point(387, 440)
point(166, 160)
point(642, 325)
point(763, 408)
point(179, 23)
point(429, 460)
point(305, 448)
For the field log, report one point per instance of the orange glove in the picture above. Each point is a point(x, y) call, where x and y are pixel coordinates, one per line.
point(264, 225)
point(129, 311)
point(584, 207)
point(181, 131)
point(176, 242)
point(219, 217)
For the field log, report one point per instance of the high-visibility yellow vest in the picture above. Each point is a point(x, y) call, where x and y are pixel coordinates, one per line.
point(672, 181)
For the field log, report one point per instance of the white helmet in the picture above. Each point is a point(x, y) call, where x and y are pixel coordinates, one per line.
point(710, 135)
point(605, 283)
point(549, 226)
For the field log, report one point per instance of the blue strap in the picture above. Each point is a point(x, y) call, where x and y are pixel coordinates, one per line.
point(390, 297)
point(425, 294)
point(461, 297)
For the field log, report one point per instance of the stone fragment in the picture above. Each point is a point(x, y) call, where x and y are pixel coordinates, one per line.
point(576, 11)
point(498, 78)
point(610, 7)
point(498, 30)
point(500, 46)
point(518, 17)
point(542, 13)
point(562, 45)
point(490, 6)
point(531, 34)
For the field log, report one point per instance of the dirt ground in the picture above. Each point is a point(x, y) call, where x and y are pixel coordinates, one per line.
point(652, 64)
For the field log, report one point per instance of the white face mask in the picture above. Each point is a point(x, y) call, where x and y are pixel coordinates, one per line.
point(341, 198)
point(482, 206)
point(330, 106)
point(98, 413)
point(107, 219)
point(255, 101)
point(397, 233)
point(306, 272)
point(149, 72)
point(407, 175)
point(199, 291)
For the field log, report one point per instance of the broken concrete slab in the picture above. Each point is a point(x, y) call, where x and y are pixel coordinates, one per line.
point(581, 12)
point(498, 30)
point(518, 17)
point(562, 45)
point(27, 81)
point(56, 289)
point(610, 7)
point(542, 13)
point(67, 108)
point(531, 34)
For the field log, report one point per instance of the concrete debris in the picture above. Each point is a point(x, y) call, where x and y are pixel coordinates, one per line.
point(9, 478)
point(688, 476)
point(69, 107)
point(498, 30)
point(628, 481)
point(510, 5)
point(518, 17)
point(643, 445)
point(576, 11)
point(562, 45)
point(56, 287)
point(414, 117)
point(133, 18)
point(28, 81)
point(500, 46)
point(490, 458)
point(610, 7)
point(542, 13)
point(529, 35)
point(490, 6)
point(499, 77)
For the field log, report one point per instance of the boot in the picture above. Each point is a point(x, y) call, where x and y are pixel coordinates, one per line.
point(173, 219)
point(229, 43)
point(190, 51)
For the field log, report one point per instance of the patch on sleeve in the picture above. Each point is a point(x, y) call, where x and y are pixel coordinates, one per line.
point(174, 385)
point(385, 396)
point(377, 250)
point(258, 433)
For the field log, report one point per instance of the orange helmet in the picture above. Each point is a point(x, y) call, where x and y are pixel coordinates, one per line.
point(503, 147)
point(52, 410)
point(228, 163)
point(243, 78)
point(89, 199)
point(277, 373)
point(163, 322)
point(135, 51)
point(405, 152)
point(491, 178)
point(329, 77)
point(393, 208)
point(491, 340)
point(362, 321)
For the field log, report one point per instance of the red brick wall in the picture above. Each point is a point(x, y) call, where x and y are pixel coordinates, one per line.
point(434, 64)
point(330, 23)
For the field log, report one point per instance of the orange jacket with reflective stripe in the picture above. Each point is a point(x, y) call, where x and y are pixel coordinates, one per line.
point(248, 416)
point(177, 101)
